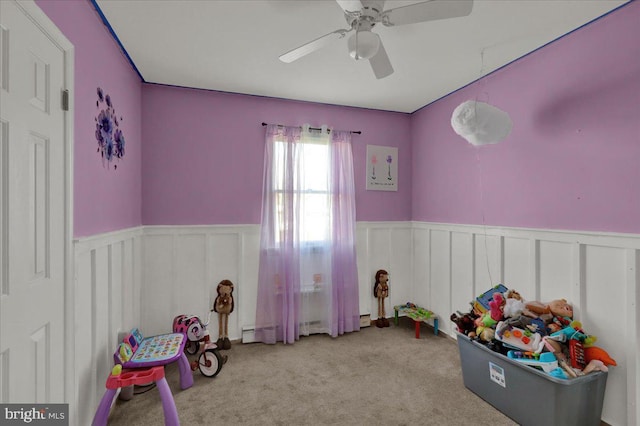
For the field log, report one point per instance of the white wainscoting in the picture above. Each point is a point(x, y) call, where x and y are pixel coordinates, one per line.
point(184, 264)
point(596, 272)
point(107, 282)
point(145, 276)
point(388, 246)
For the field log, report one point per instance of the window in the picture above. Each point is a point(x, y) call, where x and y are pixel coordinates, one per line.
point(306, 261)
point(308, 191)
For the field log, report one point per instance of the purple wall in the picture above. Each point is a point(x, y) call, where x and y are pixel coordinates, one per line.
point(203, 154)
point(572, 158)
point(105, 199)
point(571, 161)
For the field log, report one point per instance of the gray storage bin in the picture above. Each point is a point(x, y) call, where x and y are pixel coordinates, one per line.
point(528, 395)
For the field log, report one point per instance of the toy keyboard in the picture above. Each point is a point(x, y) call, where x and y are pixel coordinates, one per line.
point(138, 352)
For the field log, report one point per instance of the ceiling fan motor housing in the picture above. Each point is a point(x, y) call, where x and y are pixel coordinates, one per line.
point(364, 44)
point(365, 18)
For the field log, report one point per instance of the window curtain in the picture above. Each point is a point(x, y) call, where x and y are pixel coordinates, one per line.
point(307, 280)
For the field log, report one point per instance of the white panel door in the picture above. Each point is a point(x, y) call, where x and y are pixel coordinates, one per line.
point(32, 182)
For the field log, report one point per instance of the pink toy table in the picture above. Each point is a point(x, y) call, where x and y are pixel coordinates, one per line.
point(138, 377)
point(143, 361)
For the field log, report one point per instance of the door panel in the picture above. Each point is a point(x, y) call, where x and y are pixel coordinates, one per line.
point(32, 212)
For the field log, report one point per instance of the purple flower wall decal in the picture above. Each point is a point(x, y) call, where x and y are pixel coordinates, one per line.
point(110, 138)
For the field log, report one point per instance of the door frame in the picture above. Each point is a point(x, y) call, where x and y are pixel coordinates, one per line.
point(46, 25)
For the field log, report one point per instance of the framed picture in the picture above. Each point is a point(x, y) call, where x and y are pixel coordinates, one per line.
point(382, 168)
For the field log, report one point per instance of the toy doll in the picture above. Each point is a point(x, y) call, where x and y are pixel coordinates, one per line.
point(381, 291)
point(223, 305)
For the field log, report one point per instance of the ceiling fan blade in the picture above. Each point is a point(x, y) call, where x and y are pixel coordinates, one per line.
point(312, 46)
point(350, 5)
point(426, 11)
point(380, 63)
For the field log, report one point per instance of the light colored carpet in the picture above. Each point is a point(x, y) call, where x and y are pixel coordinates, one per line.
point(371, 377)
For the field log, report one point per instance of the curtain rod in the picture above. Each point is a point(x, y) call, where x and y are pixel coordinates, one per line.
point(358, 132)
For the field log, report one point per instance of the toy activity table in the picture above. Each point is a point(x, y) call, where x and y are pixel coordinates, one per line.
point(138, 377)
point(142, 360)
point(418, 315)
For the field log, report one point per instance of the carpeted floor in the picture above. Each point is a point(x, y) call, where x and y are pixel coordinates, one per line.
point(371, 377)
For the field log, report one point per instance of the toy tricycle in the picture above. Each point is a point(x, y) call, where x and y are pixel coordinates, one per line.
point(210, 360)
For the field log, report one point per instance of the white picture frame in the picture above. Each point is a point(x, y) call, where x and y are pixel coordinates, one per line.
point(382, 168)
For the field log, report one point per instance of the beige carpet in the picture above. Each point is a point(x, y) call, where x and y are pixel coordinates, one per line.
point(371, 377)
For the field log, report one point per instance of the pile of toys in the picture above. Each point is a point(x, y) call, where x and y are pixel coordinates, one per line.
point(542, 335)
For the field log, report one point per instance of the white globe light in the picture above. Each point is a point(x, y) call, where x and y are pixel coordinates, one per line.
point(363, 45)
point(480, 123)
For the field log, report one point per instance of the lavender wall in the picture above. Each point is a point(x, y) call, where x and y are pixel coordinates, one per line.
point(570, 162)
point(203, 154)
point(105, 199)
point(572, 159)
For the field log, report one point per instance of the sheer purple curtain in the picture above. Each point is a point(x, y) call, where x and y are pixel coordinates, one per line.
point(307, 280)
point(278, 306)
point(344, 273)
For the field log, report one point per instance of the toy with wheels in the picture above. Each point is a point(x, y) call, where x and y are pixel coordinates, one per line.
point(209, 360)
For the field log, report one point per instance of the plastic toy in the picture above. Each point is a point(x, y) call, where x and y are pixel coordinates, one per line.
point(481, 304)
point(547, 361)
point(136, 352)
point(576, 354)
point(210, 360)
point(128, 378)
point(518, 337)
point(573, 331)
point(552, 344)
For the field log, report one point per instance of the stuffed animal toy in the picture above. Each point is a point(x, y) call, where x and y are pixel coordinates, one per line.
point(495, 306)
point(595, 365)
point(594, 352)
point(534, 325)
point(223, 305)
point(557, 314)
point(559, 308)
point(486, 334)
point(465, 323)
point(514, 305)
point(381, 291)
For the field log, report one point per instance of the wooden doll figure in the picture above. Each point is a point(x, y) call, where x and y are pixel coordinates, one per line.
point(223, 305)
point(381, 291)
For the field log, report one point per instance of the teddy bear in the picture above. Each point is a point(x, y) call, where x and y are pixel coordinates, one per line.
point(557, 314)
point(223, 305)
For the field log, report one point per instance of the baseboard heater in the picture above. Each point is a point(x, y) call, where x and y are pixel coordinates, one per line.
point(248, 334)
point(249, 331)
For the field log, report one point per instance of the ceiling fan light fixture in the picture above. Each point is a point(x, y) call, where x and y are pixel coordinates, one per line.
point(363, 44)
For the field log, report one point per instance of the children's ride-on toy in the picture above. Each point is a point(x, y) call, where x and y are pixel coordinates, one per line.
point(210, 360)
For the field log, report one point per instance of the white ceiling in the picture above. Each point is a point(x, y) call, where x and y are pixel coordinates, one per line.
point(233, 46)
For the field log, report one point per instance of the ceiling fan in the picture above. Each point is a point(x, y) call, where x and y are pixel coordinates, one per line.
point(363, 15)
